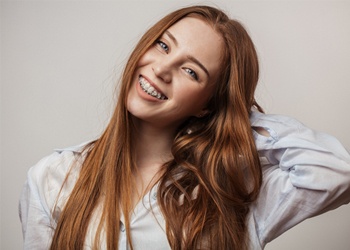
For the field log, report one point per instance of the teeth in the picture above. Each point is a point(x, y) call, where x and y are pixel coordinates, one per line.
point(150, 90)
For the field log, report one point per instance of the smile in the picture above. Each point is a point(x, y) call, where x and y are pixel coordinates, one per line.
point(150, 90)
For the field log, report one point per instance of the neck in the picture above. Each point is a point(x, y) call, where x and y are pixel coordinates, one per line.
point(152, 148)
point(152, 144)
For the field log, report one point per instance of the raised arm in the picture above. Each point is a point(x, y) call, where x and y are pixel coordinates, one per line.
point(305, 173)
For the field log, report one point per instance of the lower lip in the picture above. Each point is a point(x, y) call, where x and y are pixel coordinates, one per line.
point(144, 95)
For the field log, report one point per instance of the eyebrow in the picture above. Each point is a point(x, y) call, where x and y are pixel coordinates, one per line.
point(191, 58)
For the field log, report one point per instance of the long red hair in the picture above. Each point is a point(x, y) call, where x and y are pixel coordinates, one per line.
point(215, 159)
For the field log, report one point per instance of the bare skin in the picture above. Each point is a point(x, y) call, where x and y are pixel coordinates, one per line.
point(184, 70)
point(149, 159)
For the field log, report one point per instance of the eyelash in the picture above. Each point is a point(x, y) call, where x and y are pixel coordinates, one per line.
point(192, 73)
point(163, 46)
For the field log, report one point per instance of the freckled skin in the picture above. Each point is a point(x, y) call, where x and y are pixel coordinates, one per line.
point(167, 66)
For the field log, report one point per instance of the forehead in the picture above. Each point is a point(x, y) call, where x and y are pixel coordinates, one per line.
point(197, 38)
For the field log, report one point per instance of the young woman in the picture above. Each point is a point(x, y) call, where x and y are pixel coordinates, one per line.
point(188, 160)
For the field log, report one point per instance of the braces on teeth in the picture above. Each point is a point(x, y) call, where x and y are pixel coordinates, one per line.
point(150, 90)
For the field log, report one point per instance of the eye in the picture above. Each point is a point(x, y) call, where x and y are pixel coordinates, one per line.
point(192, 73)
point(163, 46)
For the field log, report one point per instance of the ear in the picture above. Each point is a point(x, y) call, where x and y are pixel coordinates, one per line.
point(202, 113)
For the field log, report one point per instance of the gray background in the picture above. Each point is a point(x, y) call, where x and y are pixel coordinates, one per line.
point(60, 61)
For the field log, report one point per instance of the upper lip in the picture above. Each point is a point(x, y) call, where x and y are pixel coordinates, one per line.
point(153, 85)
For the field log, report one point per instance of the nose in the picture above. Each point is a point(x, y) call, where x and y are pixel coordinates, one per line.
point(162, 71)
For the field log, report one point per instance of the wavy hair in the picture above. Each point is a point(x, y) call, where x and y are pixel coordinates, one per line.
point(205, 192)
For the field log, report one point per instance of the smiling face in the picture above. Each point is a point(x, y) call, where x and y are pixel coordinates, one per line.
point(176, 77)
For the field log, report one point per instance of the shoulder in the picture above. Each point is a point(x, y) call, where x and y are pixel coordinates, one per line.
point(268, 129)
point(48, 185)
point(56, 164)
point(287, 132)
point(46, 178)
point(276, 124)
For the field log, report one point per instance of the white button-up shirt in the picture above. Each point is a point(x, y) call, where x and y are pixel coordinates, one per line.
point(305, 173)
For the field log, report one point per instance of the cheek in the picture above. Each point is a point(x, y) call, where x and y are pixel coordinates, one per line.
point(132, 93)
point(141, 61)
point(146, 58)
point(129, 100)
point(194, 99)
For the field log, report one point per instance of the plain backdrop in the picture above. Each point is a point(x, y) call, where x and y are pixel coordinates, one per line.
point(60, 62)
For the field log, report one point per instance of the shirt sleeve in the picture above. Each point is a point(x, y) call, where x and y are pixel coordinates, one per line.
point(34, 212)
point(305, 173)
point(43, 197)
